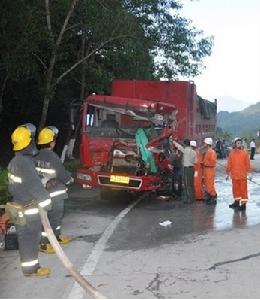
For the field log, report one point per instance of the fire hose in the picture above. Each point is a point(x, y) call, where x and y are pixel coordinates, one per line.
point(65, 260)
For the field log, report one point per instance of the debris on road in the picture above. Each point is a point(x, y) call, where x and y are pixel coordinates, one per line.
point(165, 223)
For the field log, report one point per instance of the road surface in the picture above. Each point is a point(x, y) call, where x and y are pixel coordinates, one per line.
point(121, 248)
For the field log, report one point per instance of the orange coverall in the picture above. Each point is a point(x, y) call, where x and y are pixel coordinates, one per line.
point(209, 164)
point(238, 165)
point(198, 177)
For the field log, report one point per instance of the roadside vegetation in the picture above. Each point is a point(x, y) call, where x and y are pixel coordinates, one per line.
point(70, 165)
point(4, 195)
point(57, 52)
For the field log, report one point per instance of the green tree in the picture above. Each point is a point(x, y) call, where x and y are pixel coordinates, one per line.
point(91, 42)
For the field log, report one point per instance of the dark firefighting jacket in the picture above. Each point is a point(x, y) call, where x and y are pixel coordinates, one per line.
point(52, 173)
point(24, 183)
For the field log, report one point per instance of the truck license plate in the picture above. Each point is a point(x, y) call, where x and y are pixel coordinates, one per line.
point(119, 179)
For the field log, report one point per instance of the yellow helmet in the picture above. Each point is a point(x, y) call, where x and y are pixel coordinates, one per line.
point(46, 136)
point(21, 138)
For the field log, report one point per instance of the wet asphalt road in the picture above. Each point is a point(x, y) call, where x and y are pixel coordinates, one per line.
point(140, 230)
point(206, 252)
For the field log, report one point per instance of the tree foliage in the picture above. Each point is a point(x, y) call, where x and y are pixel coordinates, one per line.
point(47, 46)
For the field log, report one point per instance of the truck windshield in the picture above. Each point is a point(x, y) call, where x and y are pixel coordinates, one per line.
point(108, 123)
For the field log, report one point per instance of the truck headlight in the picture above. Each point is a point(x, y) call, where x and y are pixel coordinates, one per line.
point(83, 176)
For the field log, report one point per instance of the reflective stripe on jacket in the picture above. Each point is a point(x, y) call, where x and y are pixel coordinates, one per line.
point(24, 183)
point(49, 166)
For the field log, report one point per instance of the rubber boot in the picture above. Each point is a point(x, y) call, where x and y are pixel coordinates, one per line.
point(40, 272)
point(47, 248)
point(63, 240)
point(242, 207)
point(214, 200)
point(208, 199)
point(235, 204)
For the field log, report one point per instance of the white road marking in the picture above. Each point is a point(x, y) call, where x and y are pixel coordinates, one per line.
point(77, 292)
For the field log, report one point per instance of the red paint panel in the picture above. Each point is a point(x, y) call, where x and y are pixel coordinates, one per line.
point(179, 93)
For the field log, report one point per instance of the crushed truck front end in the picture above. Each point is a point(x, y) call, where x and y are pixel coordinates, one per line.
point(109, 151)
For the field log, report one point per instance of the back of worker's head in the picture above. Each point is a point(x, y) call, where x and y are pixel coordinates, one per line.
point(47, 137)
point(208, 141)
point(23, 141)
point(186, 142)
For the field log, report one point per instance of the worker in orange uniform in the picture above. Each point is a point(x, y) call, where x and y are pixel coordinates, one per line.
point(209, 165)
point(238, 167)
point(198, 172)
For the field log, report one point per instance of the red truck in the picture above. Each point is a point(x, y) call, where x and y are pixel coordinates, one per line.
point(197, 117)
point(121, 147)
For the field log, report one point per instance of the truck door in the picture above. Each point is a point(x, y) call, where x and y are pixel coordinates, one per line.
point(96, 144)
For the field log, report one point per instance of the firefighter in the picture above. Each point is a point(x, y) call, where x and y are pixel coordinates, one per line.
point(198, 172)
point(209, 165)
point(27, 192)
point(238, 167)
point(55, 178)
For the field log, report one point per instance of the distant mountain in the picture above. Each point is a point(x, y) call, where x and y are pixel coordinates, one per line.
point(240, 122)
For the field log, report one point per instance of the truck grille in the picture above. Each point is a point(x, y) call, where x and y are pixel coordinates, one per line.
point(133, 183)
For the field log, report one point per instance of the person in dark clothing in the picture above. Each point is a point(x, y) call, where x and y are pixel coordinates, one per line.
point(252, 149)
point(55, 178)
point(27, 191)
point(219, 149)
point(177, 171)
point(224, 149)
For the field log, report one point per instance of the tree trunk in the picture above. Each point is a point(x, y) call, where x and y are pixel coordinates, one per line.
point(68, 148)
point(50, 85)
point(46, 101)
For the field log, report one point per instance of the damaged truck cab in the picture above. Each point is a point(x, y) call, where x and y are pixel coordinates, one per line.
point(125, 137)
point(121, 145)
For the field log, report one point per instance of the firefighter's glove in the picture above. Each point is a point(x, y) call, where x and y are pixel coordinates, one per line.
point(227, 177)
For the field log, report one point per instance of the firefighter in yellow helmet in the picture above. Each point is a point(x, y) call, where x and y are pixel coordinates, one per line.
point(27, 191)
point(55, 178)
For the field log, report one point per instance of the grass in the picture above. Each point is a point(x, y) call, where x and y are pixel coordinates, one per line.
point(72, 165)
point(4, 194)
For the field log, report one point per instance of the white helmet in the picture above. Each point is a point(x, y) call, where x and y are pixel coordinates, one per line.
point(193, 143)
point(237, 139)
point(208, 141)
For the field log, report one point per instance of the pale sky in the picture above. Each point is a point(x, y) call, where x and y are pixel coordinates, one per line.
point(232, 73)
